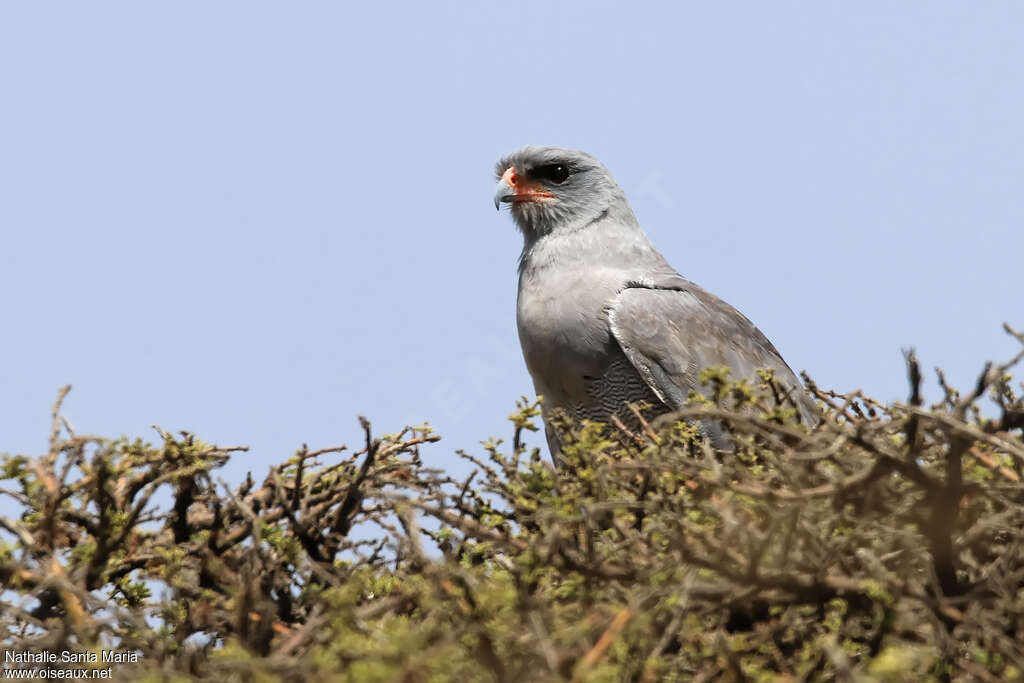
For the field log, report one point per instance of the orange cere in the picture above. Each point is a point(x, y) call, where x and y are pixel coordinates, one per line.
point(525, 188)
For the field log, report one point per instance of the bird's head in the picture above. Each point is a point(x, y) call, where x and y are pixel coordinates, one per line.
point(552, 188)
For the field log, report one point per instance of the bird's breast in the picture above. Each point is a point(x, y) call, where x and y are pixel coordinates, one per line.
point(564, 333)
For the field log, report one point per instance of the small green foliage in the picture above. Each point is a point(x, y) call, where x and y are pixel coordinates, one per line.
point(13, 466)
point(130, 594)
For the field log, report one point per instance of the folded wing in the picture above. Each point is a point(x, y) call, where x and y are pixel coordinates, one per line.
point(671, 329)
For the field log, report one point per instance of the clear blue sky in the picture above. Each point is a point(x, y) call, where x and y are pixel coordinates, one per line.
point(257, 220)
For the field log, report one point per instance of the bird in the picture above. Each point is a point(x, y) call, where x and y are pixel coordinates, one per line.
point(603, 319)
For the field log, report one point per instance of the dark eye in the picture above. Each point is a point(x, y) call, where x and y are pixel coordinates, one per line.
point(556, 173)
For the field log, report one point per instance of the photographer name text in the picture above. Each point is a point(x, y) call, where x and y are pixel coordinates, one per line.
point(71, 657)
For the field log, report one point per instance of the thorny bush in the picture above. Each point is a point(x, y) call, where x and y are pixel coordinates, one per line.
point(883, 543)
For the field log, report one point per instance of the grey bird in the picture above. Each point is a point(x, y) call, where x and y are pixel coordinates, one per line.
point(603, 319)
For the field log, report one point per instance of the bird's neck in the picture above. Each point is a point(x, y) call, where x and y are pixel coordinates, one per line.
point(612, 239)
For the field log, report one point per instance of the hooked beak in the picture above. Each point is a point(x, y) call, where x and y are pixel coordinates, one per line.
point(505, 191)
point(514, 188)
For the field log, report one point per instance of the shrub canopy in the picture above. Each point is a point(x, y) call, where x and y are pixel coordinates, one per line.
point(883, 543)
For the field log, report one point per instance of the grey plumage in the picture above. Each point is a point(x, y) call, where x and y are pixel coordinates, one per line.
point(603, 319)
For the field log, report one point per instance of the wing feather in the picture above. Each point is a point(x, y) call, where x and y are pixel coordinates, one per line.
point(670, 329)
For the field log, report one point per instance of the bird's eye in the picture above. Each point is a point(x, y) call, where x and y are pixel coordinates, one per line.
point(556, 173)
